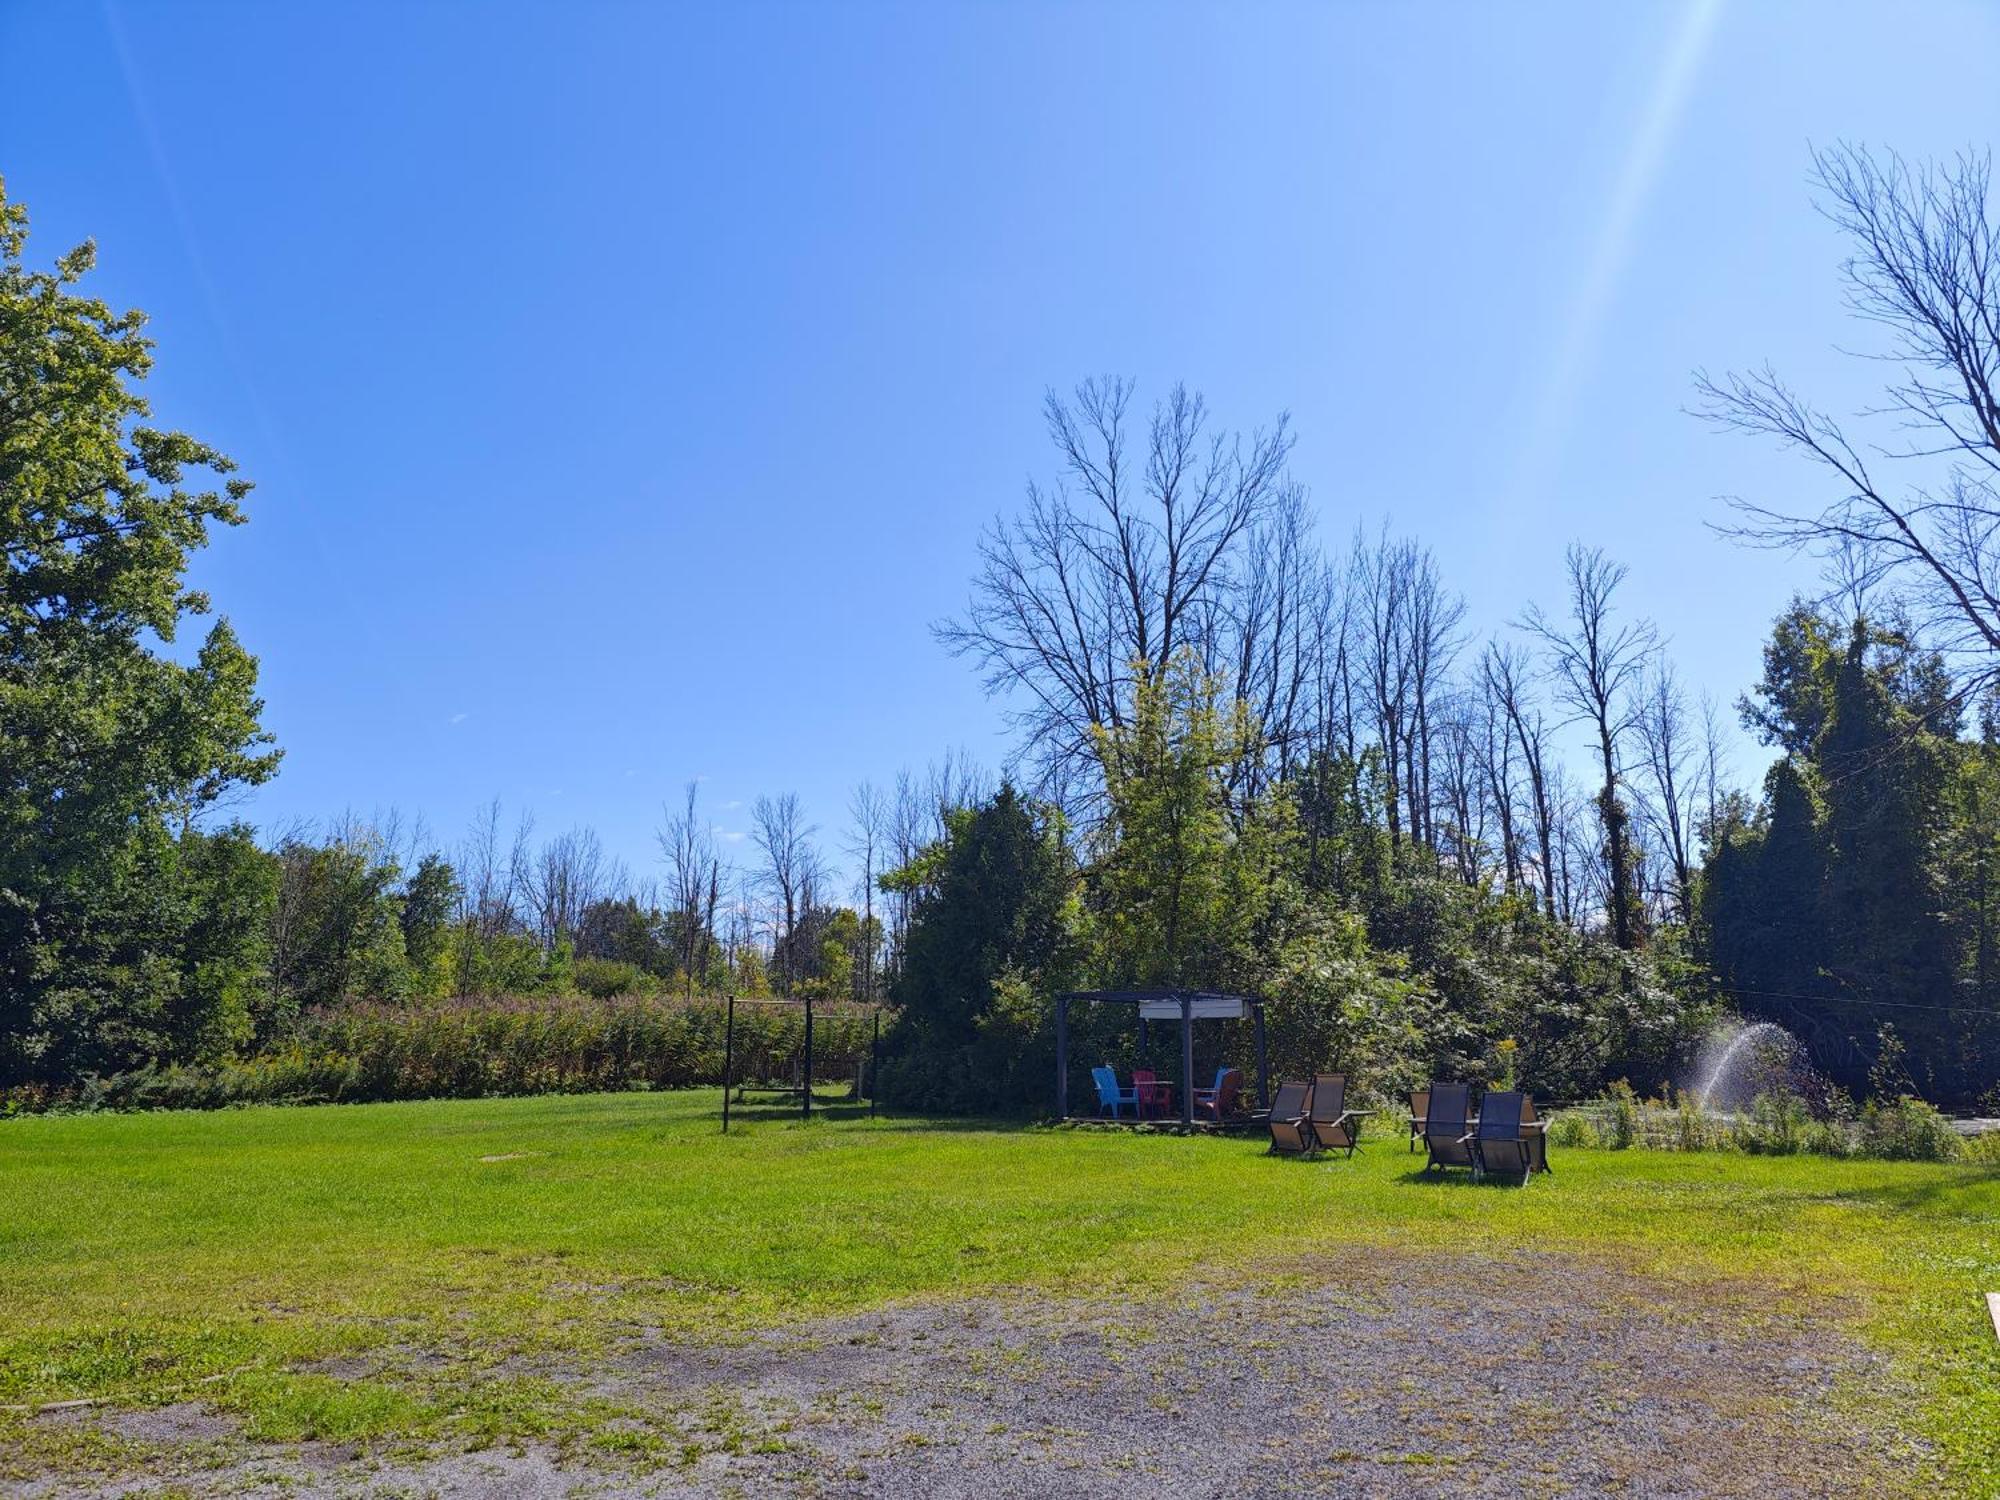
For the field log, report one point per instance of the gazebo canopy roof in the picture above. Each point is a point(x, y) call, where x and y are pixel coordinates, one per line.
point(1165, 1005)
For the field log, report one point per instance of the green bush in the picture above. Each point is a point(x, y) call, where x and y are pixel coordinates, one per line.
point(1777, 1125)
point(1983, 1149)
point(1907, 1129)
point(609, 978)
point(1572, 1129)
point(1622, 1130)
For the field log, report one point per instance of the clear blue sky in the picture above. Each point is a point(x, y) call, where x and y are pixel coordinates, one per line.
point(626, 386)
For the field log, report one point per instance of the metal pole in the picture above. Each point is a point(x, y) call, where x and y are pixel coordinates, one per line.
point(874, 1062)
point(1062, 1057)
point(728, 1061)
point(1187, 1064)
point(1263, 1071)
point(809, 1060)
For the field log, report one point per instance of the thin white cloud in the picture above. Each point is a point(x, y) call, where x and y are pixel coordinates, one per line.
point(459, 718)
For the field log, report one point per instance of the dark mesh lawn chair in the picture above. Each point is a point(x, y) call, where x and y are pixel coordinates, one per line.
point(1446, 1134)
point(1503, 1145)
point(1290, 1135)
point(1420, 1106)
point(1334, 1126)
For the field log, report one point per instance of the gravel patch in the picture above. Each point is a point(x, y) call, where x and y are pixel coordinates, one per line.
point(1402, 1375)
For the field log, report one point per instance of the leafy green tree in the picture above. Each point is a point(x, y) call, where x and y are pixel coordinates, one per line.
point(1788, 706)
point(110, 749)
point(621, 931)
point(339, 930)
point(1188, 865)
point(430, 896)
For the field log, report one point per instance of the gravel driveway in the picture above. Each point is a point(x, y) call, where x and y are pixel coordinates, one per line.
point(1392, 1376)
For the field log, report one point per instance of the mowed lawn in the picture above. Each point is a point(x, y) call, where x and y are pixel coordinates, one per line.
point(236, 1258)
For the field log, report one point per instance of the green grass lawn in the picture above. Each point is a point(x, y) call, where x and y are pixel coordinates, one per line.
point(149, 1258)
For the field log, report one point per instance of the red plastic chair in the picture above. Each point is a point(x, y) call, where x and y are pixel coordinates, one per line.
point(1155, 1098)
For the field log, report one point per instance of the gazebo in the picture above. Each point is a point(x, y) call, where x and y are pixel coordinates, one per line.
point(1185, 1006)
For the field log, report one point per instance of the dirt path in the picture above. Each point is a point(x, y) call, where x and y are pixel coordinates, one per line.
point(1422, 1376)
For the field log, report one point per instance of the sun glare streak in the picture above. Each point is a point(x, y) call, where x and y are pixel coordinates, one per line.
point(1612, 250)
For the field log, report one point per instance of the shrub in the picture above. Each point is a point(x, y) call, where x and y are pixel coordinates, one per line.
point(1691, 1127)
point(1777, 1124)
point(1907, 1129)
point(1622, 1129)
point(609, 978)
point(1572, 1129)
point(1984, 1149)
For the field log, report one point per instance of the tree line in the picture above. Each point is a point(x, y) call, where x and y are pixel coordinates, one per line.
point(1245, 758)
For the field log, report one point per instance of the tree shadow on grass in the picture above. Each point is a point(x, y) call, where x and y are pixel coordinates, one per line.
point(1460, 1180)
point(838, 1109)
point(1959, 1188)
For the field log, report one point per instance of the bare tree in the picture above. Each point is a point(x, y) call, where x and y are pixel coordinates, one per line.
point(791, 871)
point(868, 839)
point(1506, 670)
point(694, 882)
point(491, 882)
point(1113, 566)
point(1432, 644)
point(1280, 598)
point(1379, 579)
point(1495, 751)
point(1666, 740)
point(1714, 757)
point(1595, 663)
point(1463, 791)
point(953, 781)
point(1577, 875)
point(563, 878)
point(1926, 267)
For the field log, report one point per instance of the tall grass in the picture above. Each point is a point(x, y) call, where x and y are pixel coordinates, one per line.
point(369, 1052)
point(1778, 1123)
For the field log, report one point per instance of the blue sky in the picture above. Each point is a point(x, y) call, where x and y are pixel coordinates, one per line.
point(626, 386)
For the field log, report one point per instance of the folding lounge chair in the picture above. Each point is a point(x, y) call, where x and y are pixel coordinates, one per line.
point(1110, 1096)
point(1446, 1135)
point(1218, 1101)
point(1536, 1129)
point(1290, 1134)
point(1502, 1145)
point(1334, 1126)
point(1420, 1105)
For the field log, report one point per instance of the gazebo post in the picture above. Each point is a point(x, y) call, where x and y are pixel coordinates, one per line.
point(728, 1059)
point(1187, 1060)
point(1263, 1072)
point(807, 1108)
point(1062, 1057)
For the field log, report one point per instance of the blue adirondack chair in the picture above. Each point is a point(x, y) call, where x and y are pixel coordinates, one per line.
point(1110, 1096)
